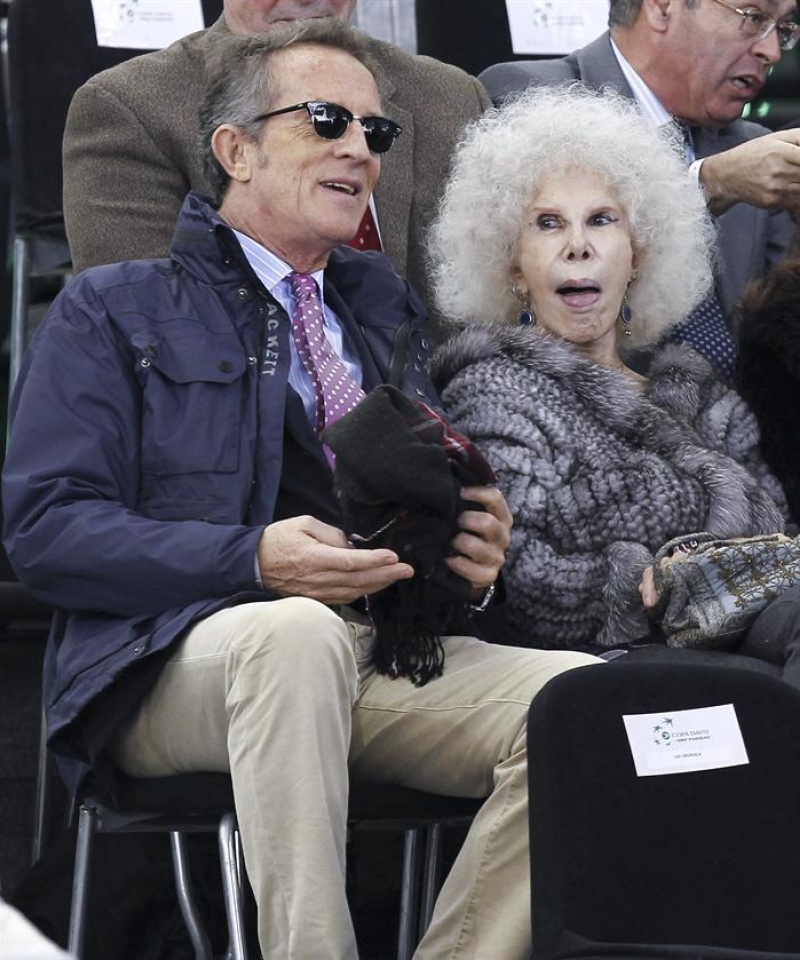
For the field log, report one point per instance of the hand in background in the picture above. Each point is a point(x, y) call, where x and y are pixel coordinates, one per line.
point(764, 172)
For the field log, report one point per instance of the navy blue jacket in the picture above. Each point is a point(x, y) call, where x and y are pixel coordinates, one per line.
point(147, 446)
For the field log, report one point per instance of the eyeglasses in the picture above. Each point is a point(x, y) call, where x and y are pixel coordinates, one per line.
point(759, 25)
point(331, 122)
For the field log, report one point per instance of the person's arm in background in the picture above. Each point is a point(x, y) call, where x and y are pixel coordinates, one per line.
point(764, 172)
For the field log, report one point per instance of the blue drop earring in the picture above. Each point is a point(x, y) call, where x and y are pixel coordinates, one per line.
point(526, 317)
point(625, 315)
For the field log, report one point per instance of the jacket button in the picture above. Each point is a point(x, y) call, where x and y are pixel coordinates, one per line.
point(144, 362)
point(225, 366)
point(242, 293)
point(252, 360)
point(138, 650)
point(424, 343)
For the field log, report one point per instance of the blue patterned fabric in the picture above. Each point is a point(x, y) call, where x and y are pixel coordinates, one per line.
point(706, 328)
point(707, 331)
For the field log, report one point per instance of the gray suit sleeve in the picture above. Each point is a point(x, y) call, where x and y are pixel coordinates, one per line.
point(504, 79)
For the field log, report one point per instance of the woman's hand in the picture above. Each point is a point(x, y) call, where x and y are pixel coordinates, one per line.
point(647, 589)
point(483, 539)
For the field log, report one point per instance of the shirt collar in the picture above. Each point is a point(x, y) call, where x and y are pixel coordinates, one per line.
point(269, 268)
point(647, 101)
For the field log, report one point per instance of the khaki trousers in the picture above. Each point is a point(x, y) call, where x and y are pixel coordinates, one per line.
point(283, 695)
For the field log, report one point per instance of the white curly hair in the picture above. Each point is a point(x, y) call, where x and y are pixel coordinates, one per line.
point(496, 171)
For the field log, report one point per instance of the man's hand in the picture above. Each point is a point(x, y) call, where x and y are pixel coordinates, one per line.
point(764, 172)
point(304, 557)
point(483, 539)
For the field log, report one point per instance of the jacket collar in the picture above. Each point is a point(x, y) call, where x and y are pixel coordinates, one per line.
point(364, 283)
point(598, 66)
point(677, 376)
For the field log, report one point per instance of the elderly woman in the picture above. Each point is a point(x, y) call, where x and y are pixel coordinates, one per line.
point(569, 235)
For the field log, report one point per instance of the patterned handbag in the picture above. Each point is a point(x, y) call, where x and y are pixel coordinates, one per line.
point(710, 591)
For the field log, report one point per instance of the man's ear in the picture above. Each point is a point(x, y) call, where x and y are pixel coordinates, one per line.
point(234, 151)
point(657, 13)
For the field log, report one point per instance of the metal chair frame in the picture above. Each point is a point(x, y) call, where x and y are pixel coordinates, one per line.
point(421, 874)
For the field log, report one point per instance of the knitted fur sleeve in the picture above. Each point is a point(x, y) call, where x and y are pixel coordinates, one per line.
point(721, 417)
point(597, 476)
point(562, 593)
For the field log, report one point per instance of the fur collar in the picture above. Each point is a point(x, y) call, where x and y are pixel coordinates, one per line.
point(660, 420)
point(679, 377)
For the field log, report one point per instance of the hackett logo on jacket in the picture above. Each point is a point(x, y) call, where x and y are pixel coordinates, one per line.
point(271, 354)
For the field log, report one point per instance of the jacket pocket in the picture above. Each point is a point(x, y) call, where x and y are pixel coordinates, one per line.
point(193, 390)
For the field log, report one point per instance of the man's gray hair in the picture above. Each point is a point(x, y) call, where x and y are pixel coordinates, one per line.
point(496, 173)
point(623, 13)
point(241, 85)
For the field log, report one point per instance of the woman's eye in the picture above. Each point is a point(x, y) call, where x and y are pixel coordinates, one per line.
point(547, 222)
point(599, 219)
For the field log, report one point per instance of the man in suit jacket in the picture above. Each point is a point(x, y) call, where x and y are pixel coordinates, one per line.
point(700, 62)
point(177, 504)
point(131, 142)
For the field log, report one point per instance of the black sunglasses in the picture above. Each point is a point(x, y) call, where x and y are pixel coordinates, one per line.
point(331, 122)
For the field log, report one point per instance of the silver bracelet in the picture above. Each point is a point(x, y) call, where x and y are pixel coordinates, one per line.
point(486, 599)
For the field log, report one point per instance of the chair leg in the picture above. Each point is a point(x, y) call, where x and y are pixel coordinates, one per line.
point(19, 306)
point(431, 874)
point(43, 794)
point(186, 898)
point(80, 881)
point(409, 894)
point(232, 885)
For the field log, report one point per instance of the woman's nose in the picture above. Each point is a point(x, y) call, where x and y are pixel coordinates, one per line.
point(578, 246)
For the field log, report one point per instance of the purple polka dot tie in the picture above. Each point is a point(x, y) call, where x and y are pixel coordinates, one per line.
point(335, 390)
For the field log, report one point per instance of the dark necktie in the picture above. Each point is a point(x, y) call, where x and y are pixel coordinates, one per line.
point(367, 237)
point(706, 329)
point(335, 390)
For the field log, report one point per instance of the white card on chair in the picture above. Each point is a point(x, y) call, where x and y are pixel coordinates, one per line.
point(145, 24)
point(555, 26)
point(684, 741)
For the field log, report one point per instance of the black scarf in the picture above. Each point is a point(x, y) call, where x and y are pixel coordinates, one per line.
point(399, 472)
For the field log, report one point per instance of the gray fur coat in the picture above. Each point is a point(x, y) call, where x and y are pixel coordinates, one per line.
point(598, 475)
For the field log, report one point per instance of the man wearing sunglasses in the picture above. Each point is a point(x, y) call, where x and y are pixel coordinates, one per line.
point(176, 501)
point(700, 62)
point(130, 146)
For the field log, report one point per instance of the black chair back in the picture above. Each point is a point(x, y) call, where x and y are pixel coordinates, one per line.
point(690, 864)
